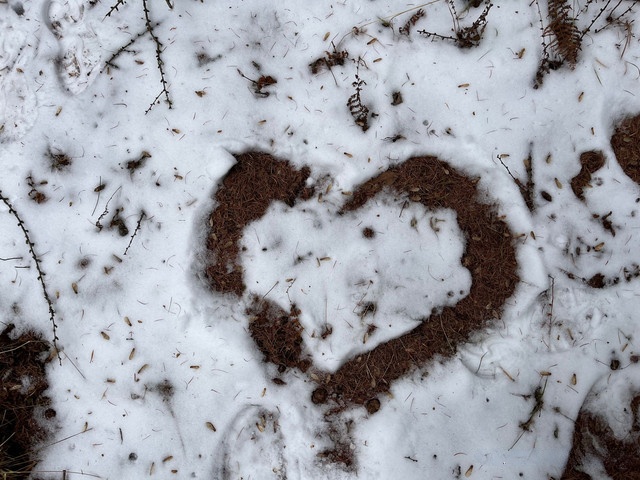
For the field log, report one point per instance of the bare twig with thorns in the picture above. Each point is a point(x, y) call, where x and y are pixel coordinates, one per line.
point(109, 63)
point(160, 62)
point(41, 274)
point(115, 7)
point(150, 29)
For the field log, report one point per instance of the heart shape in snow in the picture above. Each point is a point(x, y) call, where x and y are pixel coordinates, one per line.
point(258, 180)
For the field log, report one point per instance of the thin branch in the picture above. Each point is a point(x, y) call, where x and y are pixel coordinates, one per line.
point(160, 62)
point(109, 63)
point(142, 215)
point(115, 7)
point(41, 274)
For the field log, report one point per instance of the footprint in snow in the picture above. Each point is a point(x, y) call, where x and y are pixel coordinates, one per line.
point(18, 105)
point(80, 51)
point(253, 446)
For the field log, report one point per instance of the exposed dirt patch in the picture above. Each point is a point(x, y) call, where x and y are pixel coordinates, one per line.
point(593, 439)
point(625, 142)
point(22, 401)
point(259, 179)
point(489, 256)
point(591, 162)
point(278, 334)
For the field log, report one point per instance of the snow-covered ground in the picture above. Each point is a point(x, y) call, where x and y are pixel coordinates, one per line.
point(160, 377)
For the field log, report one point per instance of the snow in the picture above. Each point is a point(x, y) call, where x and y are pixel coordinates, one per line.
point(160, 377)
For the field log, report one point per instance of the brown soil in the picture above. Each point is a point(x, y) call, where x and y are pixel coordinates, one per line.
point(594, 439)
point(591, 162)
point(626, 145)
point(278, 334)
point(22, 370)
point(246, 192)
point(489, 256)
point(258, 179)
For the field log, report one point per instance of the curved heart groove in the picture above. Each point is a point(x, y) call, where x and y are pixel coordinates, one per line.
point(258, 179)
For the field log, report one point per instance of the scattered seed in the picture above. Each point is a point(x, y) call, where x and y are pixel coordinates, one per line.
point(211, 426)
point(574, 379)
point(132, 354)
point(599, 247)
point(326, 35)
point(469, 471)
point(166, 459)
point(105, 335)
point(143, 368)
point(558, 184)
point(74, 287)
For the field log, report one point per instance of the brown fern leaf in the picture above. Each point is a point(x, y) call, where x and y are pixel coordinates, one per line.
point(562, 25)
point(359, 111)
point(406, 29)
point(331, 59)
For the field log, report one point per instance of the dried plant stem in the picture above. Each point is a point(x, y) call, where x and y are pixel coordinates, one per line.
point(142, 215)
point(41, 274)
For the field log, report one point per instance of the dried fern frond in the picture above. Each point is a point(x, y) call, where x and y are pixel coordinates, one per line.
point(406, 28)
point(359, 111)
point(331, 59)
point(563, 26)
